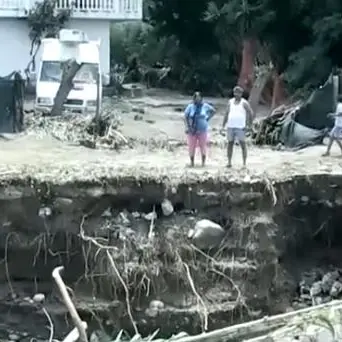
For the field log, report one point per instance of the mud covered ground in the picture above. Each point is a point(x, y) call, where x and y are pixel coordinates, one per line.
point(271, 215)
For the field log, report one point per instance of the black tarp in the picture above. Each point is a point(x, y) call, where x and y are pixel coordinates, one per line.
point(11, 103)
point(309, 124)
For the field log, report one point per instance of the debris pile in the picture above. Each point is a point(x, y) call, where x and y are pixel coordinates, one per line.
point(301, 124)
point(315, 289)
point(80, 129)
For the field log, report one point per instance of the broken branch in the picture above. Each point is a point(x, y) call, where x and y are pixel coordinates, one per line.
point(69, 304)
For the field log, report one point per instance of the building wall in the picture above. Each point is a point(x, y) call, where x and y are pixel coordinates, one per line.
point(15, 43)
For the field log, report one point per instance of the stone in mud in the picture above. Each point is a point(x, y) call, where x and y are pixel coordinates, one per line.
point(14, 337)
point(151, 312)
point(63, 203)
point(207, 234)
point(122, 218)
point(156, 305)
point(336, 289)
point(167, 207)
point(38, 297)
point(45, 212)
point(328, 280)
point(316, 289)
point(107, 213)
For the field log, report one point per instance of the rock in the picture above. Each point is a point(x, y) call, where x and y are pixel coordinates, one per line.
point(138, 110)
point(247, 179)
point(151, 312)
point(304, 199)
point(45, 212)
point(14, 337)
point(136, 215)
point(38, 297)
point(138, 117)
point(328, 280)
point(207, 234)
point(156, 305)
point(150, 216)
point(305, 297)
point(167, 207)
point(123, 218)
point(336, 289)
point(317, 300)
point(107, 213)
point(191, 233)
point(62, 203)
point(316, 289)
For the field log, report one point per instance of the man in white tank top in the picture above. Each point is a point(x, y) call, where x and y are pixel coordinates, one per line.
point(238, 115)
point(336, 132)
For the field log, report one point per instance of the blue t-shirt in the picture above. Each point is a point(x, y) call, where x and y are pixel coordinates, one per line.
point(201, 118)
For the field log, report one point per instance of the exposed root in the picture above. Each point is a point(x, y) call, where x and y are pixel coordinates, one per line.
point(51, 326)
point(200, 301)
point(270, 188)
point(128, 306)
point(116, 271)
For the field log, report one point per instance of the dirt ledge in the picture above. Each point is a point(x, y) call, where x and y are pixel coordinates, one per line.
point(41, 226)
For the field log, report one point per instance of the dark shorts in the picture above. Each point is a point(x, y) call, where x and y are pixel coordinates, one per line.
point(236, 134)
point(336, 132)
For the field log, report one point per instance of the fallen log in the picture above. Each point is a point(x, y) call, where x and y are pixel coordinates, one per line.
point(265, 326)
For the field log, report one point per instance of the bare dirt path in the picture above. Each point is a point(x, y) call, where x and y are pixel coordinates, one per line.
point(50, 159)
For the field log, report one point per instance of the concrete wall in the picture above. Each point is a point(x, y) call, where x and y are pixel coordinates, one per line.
point(15, 43)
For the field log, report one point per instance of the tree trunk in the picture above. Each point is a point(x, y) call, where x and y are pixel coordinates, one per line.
point(69, 72)
point(246, 77)
point(278, 96)
point(258, 89)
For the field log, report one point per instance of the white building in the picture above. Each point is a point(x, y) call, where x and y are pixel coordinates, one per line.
point(91, 16)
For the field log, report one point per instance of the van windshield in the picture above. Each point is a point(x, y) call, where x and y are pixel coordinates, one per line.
point(52, 72)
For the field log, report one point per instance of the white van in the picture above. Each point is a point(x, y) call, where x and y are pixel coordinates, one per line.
point(71, 44)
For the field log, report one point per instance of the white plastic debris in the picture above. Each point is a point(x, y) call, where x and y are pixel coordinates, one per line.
point(44, 212)
point(156, 305)
point(167, 207)
point(38, 297)
point(207, 234)
point(191, 233)
point(107, 213)
point(136, 214)
point(150, 216)
point(124, 218)
point(247, 179)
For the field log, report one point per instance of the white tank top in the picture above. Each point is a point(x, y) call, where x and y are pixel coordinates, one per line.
point(237, 114)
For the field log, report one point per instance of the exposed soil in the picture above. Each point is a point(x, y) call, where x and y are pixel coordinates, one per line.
point(271, 216)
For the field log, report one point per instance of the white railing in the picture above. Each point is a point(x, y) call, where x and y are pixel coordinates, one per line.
point(115, 9)
point(96, 9)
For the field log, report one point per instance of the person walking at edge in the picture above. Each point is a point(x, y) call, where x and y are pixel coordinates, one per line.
point(239, 114)
point(196, 116)
point(336, 132)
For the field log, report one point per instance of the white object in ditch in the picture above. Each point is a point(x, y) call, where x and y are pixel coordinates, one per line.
point(207, 234)
point(167, 207)
point(38, 298)
point(150, 216)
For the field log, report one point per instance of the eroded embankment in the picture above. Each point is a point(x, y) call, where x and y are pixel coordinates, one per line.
point(173, 281)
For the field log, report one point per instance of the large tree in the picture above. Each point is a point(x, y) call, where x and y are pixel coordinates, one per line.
point(302, 38)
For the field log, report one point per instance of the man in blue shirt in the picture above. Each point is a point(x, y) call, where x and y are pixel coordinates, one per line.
point(197, 115)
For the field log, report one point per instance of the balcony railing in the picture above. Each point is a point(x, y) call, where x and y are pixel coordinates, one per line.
point(92, 9)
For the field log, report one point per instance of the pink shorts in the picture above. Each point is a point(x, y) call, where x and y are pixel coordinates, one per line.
point(200, 139)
